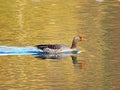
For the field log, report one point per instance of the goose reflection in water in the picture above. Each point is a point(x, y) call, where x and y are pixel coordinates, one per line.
point(63, 56)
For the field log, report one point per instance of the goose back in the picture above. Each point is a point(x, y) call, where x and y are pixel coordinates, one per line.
point(52, 46)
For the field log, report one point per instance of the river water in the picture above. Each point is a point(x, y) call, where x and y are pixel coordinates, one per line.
point(34, 22)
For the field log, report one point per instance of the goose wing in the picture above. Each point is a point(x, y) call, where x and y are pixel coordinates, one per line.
point(51, 46)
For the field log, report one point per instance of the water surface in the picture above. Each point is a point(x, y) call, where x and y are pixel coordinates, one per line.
point(34, 22)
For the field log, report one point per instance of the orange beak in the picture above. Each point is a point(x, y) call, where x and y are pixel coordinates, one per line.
point(82, 39)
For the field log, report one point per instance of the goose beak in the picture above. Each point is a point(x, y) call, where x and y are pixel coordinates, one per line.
point(82, 39)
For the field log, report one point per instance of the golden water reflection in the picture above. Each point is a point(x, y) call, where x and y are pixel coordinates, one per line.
point(33, 22)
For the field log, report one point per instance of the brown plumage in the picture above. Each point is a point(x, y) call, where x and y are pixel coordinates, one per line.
point(51, 46)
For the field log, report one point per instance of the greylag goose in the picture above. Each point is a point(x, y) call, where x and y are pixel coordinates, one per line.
point(59, 48)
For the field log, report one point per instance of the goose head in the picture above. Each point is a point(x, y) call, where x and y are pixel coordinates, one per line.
point(76, 39)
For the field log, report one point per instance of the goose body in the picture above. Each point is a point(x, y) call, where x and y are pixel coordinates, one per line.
point(60, 48)
point(53, 48)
